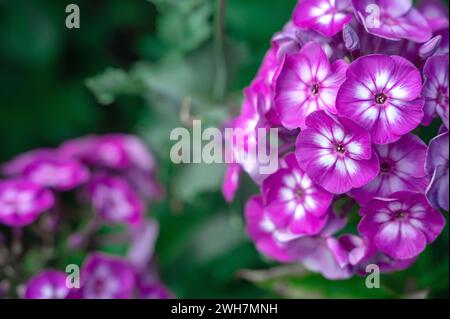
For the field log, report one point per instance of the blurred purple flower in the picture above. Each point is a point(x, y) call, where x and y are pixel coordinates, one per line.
point(56, 173)
point(106, 277)
point(231, 181)
point(115, 201)
point(49, 284)
point(21, 202)
point(435, 12)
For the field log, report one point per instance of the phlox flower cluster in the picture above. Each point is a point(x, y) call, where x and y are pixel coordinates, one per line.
point(349, 85)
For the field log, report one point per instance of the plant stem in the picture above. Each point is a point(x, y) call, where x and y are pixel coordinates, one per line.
point(220, 79)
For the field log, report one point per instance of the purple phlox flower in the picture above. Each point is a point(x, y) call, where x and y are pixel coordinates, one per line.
point(327, 17)
point(21, 202)
point(307, 82)
point(294, 202)
point(323, 253)
point(115, 201)
point(392, 20)
point(142, 244)
point(107, 277)
point(231, 181)
point(402, 167)
point(435, 89)
point(115, 151)
point(17, 165)
point(437, 167)
point(436, 14)
point(269, 240)
point(382, 94)
point(49, 284)
point(336, 153)
point(57, 173)
point(400, 226)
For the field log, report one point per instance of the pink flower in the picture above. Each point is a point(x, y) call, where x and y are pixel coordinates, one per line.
point(57, 173)
point(402, 225)
point(392, 20)
point(435, 89)
point(402, 167)
point(21, 202)
point(115, 151)
point(307, 83)
point(269, 240)
point(49, 284)
point(336, 153)
point(17, 165)
point(115, 201)
point(106, 277)
point(327, 17)
point(294, 202)
point(382, 94)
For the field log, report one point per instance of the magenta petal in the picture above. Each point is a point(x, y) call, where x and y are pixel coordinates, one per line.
point(22, 202)
point(401, 167)
point(435, 12)
point(231, 181)
point(263, 231)
point(324, 16)
point(293, 201)
point(106, 277)
point(49, 284)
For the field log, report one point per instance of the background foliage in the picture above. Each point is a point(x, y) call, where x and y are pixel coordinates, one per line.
point(143, 67)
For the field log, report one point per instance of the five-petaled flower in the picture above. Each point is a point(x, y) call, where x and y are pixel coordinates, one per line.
point(336, 153)
point(382, 94)
point(402, 225)
point(307, 82)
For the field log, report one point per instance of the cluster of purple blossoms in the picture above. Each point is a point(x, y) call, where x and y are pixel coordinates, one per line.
point(113, 174)
point(347, 83)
